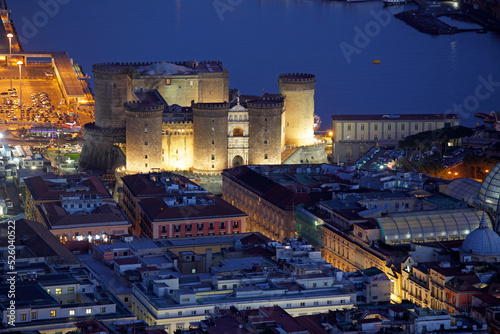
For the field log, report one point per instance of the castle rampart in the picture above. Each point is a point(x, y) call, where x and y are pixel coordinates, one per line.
point(298, 89)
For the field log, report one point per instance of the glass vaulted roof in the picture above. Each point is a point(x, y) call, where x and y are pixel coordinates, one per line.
point(463, 189)
point(489, 194)
point(428, 226)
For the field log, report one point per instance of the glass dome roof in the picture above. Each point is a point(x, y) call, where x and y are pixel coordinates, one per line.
point(482, 241)
point(429, 226)
point(463, 189)
point(489, 194)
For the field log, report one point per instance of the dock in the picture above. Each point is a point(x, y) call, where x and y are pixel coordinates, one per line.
point(426, 18)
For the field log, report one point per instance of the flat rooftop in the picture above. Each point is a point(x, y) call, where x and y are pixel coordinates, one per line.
point(394, 117)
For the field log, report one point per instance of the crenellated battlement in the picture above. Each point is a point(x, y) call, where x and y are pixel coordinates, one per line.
point(213, 106)
point(267, 103)
point(143, 106)
point(297, 78)
point(109, 67)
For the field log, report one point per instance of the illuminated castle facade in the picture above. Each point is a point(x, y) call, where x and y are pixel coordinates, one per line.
point(179, 116)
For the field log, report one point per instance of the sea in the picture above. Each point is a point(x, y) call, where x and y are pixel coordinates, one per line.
point(259, 39)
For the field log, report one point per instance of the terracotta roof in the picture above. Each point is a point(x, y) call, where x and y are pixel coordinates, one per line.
point(43, 188)
point(57, 217)
point(449, 271)
point(140, 185)
point(38, 239)
point(312, 323)
point(463, 284)
point(488, 299)
point(272, 191)
point(157, 210)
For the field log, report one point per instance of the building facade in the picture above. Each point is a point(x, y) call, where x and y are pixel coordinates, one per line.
point(355, 135)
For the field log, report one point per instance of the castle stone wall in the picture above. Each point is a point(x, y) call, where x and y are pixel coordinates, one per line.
point(213, 87)
point(112, 86)
point(265, 131)
point(312, 154)
point(210, 137)
point(144, 139)
point(99, 150)
point(175, 89)
point(298, 89)
point(178, 145)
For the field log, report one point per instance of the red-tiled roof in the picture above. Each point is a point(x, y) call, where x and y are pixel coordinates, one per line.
point(38, 239)
point(157, 210)
point(274, 192)
point(488, 299)
point(43, 188)
point(57, 217)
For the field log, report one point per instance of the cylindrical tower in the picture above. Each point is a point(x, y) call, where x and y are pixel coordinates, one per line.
point(112, 87)
point(298, 89)
point(265, 134)
point(144, 140)
point(210, 137)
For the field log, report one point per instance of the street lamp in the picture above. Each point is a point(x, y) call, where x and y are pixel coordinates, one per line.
point(10, 58)
point(20, 89)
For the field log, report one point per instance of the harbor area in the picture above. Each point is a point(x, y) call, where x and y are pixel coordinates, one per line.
point(448, 17)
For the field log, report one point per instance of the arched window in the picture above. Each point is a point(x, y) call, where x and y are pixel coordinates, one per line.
point(238, 132)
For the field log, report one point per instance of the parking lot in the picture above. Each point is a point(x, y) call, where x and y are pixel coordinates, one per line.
point(41, 102)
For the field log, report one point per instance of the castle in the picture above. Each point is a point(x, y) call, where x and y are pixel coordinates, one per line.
point(179, 116)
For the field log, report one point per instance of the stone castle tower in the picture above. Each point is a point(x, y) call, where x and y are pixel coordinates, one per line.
point(112, 89)
point(265, 129)
point(181, 119)
point(298, 90)
point(143, 134)
point(210, 136)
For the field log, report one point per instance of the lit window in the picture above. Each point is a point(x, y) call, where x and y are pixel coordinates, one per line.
point(389, 127)
point(88, 311)
point(71, 312)
point(103, 310)
point(33, 315)
point(179, 313)
point(145, 130)
point(24, 316)
point(58, 291)
point(53, 313)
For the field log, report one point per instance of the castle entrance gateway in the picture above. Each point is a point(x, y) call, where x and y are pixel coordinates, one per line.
point(237, 161)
